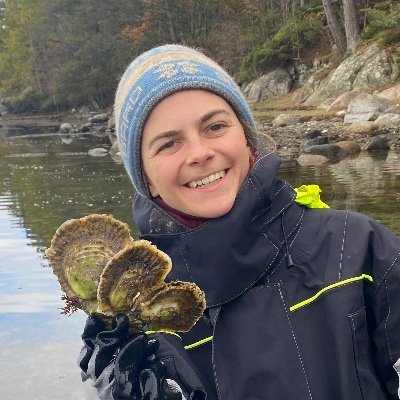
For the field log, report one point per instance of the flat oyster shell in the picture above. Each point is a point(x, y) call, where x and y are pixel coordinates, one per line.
point(133, 282)
point(103, 271)
point(80, 249)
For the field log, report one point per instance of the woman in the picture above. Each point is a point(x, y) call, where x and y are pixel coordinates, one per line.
point(302, 303)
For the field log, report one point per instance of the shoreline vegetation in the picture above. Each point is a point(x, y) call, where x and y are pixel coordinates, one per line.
point(57, 56)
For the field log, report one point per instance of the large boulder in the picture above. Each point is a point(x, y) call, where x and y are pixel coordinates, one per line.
point(312, 159)
point(351, 147)
point(330, 151)
point(365, 107)
point(342, 102)
point(378, 71)
point(380, 143)
point(369, 68)
point(99, 118)
point(286, 120)
point(388, 120)
point(392, 93)
point(275, 83)
point(361, 127)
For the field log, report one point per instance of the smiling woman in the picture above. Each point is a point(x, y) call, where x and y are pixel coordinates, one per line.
point(295, 294)
point(200, 163)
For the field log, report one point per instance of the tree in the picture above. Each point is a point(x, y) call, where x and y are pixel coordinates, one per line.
point(334, 25)
point(346, 41)
point(351, 25)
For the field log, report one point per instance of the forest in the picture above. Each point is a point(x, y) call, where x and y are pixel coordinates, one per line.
point(62, 54)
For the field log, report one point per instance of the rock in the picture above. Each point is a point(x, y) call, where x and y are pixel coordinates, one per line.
point(275, 83)
point(302, 73)
point(326, 104)
point(388, 120)
point(366, 69)
point(316, 141)
point(313, 133)
point(331, 151)
point(379, 143)
point(311, 159)
point(113, 137)
point(392, 93)
point(342, 102)
point(111, 123)
point(66, 127)
point(361, 127)
point(365, 107)
point(354, 118)
point(85, 127)
point(115, 153)
point(350, 147)
point(97, 152)
point(99, 118)
point(307, 89)
point(285, 120)
point(3, 108)
point(377, 72)
point(394, 109)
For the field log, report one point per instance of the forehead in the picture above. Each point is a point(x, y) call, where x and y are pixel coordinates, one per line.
point(186, 104)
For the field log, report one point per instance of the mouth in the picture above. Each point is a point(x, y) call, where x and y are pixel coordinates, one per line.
point(207, 181)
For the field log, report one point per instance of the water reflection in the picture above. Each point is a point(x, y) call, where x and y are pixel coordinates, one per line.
point(367, 184)
point(46, 179)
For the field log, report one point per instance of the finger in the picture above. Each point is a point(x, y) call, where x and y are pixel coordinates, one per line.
point(127, 367)
point(93, 326)
point(152, 346)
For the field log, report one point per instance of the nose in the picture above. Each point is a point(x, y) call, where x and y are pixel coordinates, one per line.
point(199, 151)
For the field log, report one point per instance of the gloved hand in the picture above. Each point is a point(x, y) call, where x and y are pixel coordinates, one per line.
point(124, 366)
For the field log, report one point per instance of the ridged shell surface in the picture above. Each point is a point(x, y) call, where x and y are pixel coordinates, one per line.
point(79, 251)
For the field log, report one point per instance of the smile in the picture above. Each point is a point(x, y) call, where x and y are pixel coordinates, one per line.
point(207, 180)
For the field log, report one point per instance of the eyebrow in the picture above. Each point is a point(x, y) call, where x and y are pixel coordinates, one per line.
point(202, 120)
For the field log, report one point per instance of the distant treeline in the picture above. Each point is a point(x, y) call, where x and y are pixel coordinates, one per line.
point(58, 54)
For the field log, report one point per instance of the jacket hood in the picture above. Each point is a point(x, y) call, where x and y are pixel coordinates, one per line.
point(227, 255)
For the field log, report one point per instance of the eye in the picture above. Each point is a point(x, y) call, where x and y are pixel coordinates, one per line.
point(216, 127)
point(167, 146)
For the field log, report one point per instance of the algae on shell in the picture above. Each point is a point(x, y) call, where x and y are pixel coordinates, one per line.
point(104, 271)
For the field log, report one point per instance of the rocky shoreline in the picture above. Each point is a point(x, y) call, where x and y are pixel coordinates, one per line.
point(310, 136)
point(306, 139)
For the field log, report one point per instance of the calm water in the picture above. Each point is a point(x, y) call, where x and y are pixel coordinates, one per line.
point(45, 180)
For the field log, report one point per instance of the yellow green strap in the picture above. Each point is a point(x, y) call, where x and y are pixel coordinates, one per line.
point(167, 332)
point(189, 346)
point(308, 195)
point(325, 289)
point(199, 343)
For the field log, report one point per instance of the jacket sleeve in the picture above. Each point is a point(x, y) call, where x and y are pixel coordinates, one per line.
point(383, 304)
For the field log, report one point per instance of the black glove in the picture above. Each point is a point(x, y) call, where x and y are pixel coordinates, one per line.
point(123, 366)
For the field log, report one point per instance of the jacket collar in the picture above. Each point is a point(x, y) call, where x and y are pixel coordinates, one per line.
point(228, 255)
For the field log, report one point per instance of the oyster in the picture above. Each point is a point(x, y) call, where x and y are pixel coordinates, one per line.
point(79, 251)
point(103, 271)
point(133, 282)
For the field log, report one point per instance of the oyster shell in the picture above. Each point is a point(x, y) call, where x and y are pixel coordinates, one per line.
point(133, 282)
point(103, 271)
point(79, 251)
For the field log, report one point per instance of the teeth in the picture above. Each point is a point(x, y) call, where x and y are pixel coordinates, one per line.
point(207, 180)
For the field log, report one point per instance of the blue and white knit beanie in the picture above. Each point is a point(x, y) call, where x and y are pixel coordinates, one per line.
point(155, 75)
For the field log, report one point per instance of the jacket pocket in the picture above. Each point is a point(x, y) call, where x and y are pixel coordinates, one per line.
point(369, 384)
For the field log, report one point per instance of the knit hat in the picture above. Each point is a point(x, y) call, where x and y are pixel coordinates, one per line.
point(155, 75)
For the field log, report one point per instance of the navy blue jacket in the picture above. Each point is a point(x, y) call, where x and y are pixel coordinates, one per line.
point(327, 327)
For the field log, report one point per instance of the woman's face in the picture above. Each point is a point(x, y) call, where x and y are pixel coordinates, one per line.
point(195, 153)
